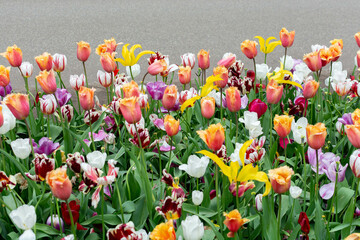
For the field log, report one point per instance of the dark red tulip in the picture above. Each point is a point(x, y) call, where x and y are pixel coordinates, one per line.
point(258, 106)
point(304, 223)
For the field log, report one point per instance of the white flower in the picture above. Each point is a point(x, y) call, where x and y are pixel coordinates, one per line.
point(142, 234)
point(301, 72)
point(96, 159)
point(21, 147)
point(235, 157)
point(252, 124)
point(317, 47)
point(104, 78)
point(262, 70)
point(193, 228)
point(196, 166)
point(28, 235)
point(258, 202)
point(197, 197)
point(9, 120)
point(216, 96)
point(337, 74)
point(299, 130)
point(289, 62)
point(188, 59)
point(77, 81)
point(24, 217)
point(355, 163)
point(295, 191)
point(135, 69)
point(69, 237)
point(342, 87)
point(26, 69)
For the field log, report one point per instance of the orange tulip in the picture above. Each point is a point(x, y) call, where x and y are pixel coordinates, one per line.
point(130, 109)
point(203, 59)
point(223, 74)
point(286, 37)
point(325, 56)
point(233, 222)
point(282, 125)
point(131, 89)
point(163, 231)
point(108, 62)
point(101, 49)
point(18, 104)
point(171, 125)
point(83, 51)
point(184, 74)
point(355, 116)
point(337, 42)
point(4, 76)
point(1, 117)
point(280, 179)
point(207, 107)
point(233, 99)
point(86, 98)
point(313, 61)
point(111, 45)
point(249, 48)
point(353, 236)
point(316, 135)
point(214, 136)
point(44, 61)
point(47, 81)
point(310, 89)
point(357, 38)
point(59, 183)
point(353, 134)
point(335, 51)
point(13, 55)
point(274, 92)
point(170, 96)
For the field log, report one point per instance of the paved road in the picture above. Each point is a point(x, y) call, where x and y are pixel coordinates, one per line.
point(172, 27)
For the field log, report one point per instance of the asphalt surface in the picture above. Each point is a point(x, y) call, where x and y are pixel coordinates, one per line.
point(171, 27)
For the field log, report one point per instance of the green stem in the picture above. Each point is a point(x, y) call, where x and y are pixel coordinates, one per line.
point(78, 102)
point(120, 202)
point(197, 188)
point(265, 58)
point(169, 163)
point(317, 175)
point(73, 229)
point(2, 155)
point(355, 197)
point(279, 215)
point(102, 212)
point(30, 138)
point(61, 82)
point(48, 126)
point(217, 197)
point(58, 213)
point(305, 177)
point(255, 74)
point(91, 131)
point(285, 57)
point(87, 84)
point(221, 105)
point(37, 204)
point(132, 77)
point(237, 126)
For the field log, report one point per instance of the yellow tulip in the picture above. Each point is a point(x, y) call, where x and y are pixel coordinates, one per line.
point(129, 58)
point(267, 47)
point(279, 77)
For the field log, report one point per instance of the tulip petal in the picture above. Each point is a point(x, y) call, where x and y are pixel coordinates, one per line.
point(272, 46)
point(269, 39)
point(189, 102)
point(142, 54)
point(262, 43)
point(290, 82)
point(225, 169)
point(209, 85)
point(243, 149)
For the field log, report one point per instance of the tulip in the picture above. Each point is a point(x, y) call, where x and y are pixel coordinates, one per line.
point(353, 236)
point(126, 231)
point(299, 130)
point(43, 165)
point(358, 58)
point(354, 163)
point(195, 166)
point(47, 81)
point(188, 59)
point(207, 107)
point(104, 78)
point(26, 69)
point(111, 45)
point(135, 70)
point(338, 42)
point(18, 104)
point(249, 48)
point(21, 148)
point(8, 119)
point(295, 192)
point(157, 67)
point(48, 104)
point(96, 159)
point(184, 74)
point(77, 81)
point(258, 202)
point(44, 61)
point(13, 55)
point(59, 183)
point(197, 197)
point(304, 223)
point(130, 109)
point(335, 51)
point(108, 62)
point(171, 125)
point(1, 117)
point(325, 56)
point(4, 76)
point(316, 135)
point(67, 112)
point(355, 117)
point(83, 51)
point(59, 62)
point(233, 99)
point(57, 222)
point(203, 59)
point(258, 106)
point(131, 89)
point(310, 89)
point(282, 125)
point(156, 89)
point(86, 97)
point(274, 92)
point(46, 146)
point(313, 61)
point(164, 231)
point(213, 136)
point(193, 228)
point(24, 217)
point(353, 134)
point(170, 97)
point(227, 60)
point(357, 38)
point(233, 222)
point(280, 179)
point(286, 37)
point(223, 72)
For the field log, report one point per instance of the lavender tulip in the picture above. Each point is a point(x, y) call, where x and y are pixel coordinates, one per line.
point(45, 146)
point(156, 89)
point(63, 96)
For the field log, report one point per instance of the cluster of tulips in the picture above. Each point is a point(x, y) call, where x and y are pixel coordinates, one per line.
point(244, 153)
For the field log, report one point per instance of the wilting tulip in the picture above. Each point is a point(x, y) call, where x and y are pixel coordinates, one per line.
point(44, 61)
point(59, 183)
point(353, 134)
point(193, 228)
point(213, 136)
point(203, 59)
point(357, 38)
point(337, 42)
point(21, 148)
point(316, 135)
point(233, 222)
point(77, 81)
point(4, 76)
point(104, 78)
point(197, 197)
point(83, 51)
point(130, 109)
point(170, 97)
point(313, 61)
point(184, 74)
point(188, 59)
point(249, 48)
point(274, 92)
point(67, 112)
point(47, 81)
point(59, 62)
point(310, 89)
point(207, 107)
point(48, 104)
point(157, 67)
point(286, 37)
point(223, 72)
point(13, 55)
point(18, 104)
point(171, 125)
point(26, 69)
point(233, 99)
point(354, 163)
point(131, 89)
point(258, 106)
point(280, 179)
point(282, 125)
point(86, 97)
point(108, 62)
point(164, 231)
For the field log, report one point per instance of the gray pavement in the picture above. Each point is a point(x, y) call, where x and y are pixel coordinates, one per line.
point(172, 27)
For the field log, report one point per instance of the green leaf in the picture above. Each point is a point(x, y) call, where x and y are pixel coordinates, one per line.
point(319, 222)
point(348, 217)
point(343, 196)
point(108, 219)
point(206, 212)
point(340, 227)
point(48, 230)
point(129, 207)
point(82, 143)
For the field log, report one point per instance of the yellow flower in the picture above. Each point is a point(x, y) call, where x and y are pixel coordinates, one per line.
point(267, 47)
point(237, 174)
point(279, 76)
point(129, 58)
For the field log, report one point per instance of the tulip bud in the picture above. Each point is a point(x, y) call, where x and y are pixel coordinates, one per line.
point(295, 192)
point(193, 228)
point(310, 89)
point(67, 112)
point(280, 179)
point(354, 163)
point(223, 72)
point(258, 106)
point(171, 125)
point(203, 59)
point(197, 197)
point(108, 62)
point(83, 51)
point(4, 76)
point(249, 48)
point(313, 61)
point(131, 89)
point(316, 135)
point(282, 125)
point(48, 104)
point(188, 60)
point(357, 38)
point(59, 62)
point(56, 222)
point(233, 99)
point(77, 81)
point(207, 107)
point(47, 81)
point(157, 67)
point(104, 78)
point(44, 61)
point(184, 74)
point(274, 92)
point(286, 37)
point(258, 202)
point(130, 109)
point(26, 69)
point(86, 97)
point(59, 183)
point(170, 97)
point(18, 104)
point(13, 55)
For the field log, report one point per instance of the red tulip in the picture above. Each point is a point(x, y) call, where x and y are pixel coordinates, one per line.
point(258, 106)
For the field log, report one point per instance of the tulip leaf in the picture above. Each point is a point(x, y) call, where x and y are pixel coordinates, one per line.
point(111, 219)
point(343, 196)
point(319, 221)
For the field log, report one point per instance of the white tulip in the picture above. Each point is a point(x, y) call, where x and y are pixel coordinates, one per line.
point(235, 157)
point(317, 47)
point(252, 124)
point(354, 163)
point(188, 59)
point(21, 147)
point(24, 217)
point(26, 69)
point(295, 191)
point(135, 69)
point(262, 70)
point(28, 235)
point(299, 130)
point(258, 202)
point(9, 120)
point(289, 62)
point(104, 78)
point(96, 159)
point(197, 197)
point(196, 166)
point(77, 81)
point(193, 228)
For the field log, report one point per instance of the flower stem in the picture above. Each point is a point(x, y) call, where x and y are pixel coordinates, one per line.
point(120, 202)
point(317, 175)
point(87, 84)
point(73, 229)
point(355, 197)
point(78, 102)
point(255, 74)
point(305, 177)
point(102, 212)
point(58, 213)
point(279, 214)
point(91, 131)
point(197, 188)
point(30, 138)
point(61, 82)
point(132, 77)
point(218, 197)
point(221, 104)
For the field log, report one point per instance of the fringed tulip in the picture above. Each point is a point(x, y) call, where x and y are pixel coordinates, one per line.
point(335, 51)
point(207, 107)
point(59, 183)
point(47, 81)
point(274, 92)
point(4, 76)
point(44, 61)
point(18, 104)
point(223, 72)
point(86, 97)
point(310, 89)
point(357, 38)
point(59, 62)
point(170, 97)
point(249, 48)
point(108, 62)
point(313, 61)
point(337, 42)
point(188, 59)
point(111, 45)
point(355, 116)
point(213, 136)
point(164, 231)
point(203, 59)
point(233, 222)
point(280, 179)
point(130, 109)
point(131, 89)
point(353, 134)
point(171, 125)
point(104, 78)
point(157, 67)
point(184, 74)
point(316, 135)
point(83, 51)
point(233, 99)
point(282, 125)
point(43, 165)
point(286, 37)
point(48, 104)
point(13, 55)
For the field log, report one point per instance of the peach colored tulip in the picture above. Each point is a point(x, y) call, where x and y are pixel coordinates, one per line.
point(184, 74)
point(111, 45)
point(1, 117)
point(213, 136)
point(203, 59)
point(353, 134)
point(207, 107)
point(280, 179)
point(83, 51)
point(157, 67)
point(164, 231)
point(171, 125)
point(357, 38)
point(13, 55)
point(101, 49)
point(227, 62)
point(337, 42)
point(313, 61)
point(130, 109)
point(108, 62)
point(249, 48)
point(355, 116)
point(233, 221)
point(44, 61)
point(59, 183)
point(353, 236)
point(86, 98)
point(170, 96)
point(4, 76)
point(47, 81)
point(316, 135)
point(325, 56)
point(282, 125)
point(310, 89)
point(18, 104)
point(233, 99)
point(286, 37)
point(131, 89)
point(335, 51)
point(274, 92)
point(223, 74)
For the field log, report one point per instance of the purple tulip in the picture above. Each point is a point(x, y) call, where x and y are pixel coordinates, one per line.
point(346, 119)
point(8, 89)
point(327, 191)
point(332, 168)
point(156, 89)
point(56, 222)
point(325, 160)
point(45, 146)
point(63, 96)
point(244, 101)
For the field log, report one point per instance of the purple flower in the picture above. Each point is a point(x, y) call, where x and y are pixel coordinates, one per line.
point(46, 146)
point(8, 89)
point(56, 222)
point(156, 89)
point(325, 159)
point(63, 96)
point(346, 119)
point(332, 168)
point(244, 101)
point(327, 191)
